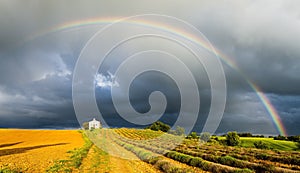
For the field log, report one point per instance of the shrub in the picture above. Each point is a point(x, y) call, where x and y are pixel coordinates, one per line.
point(196, 161)
point(262, 156)
point(246, 134)
point(213, 142)
point(179, 131)
point(246, 170)
point(205, 136)
point(226, 160)
point(241, 157)
point(204, 166)
point(264, 167)
point(261, 145)
point(186, 159)
point(85, 125)
point(279, 137)
point(154, 160)
point(294, 138)
point(8, 170)
point(168, 167)
point(193, 135)
point(232, 139)
point(172, 132)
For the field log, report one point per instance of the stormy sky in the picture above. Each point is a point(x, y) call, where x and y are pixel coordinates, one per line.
point(37, 67)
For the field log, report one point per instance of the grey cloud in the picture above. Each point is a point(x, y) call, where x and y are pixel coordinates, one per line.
point(260, 36)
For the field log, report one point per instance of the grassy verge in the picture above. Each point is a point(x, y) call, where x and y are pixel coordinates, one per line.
point(74, 160)
point(96, 162)
point(8, 170)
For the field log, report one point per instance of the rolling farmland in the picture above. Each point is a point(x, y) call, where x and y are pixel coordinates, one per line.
point(135, 150)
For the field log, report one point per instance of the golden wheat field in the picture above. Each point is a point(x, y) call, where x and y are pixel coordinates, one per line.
point(126, 151)
point(35, 150)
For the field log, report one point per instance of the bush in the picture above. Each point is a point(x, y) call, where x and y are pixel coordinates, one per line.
point(8, 170)
point(213, 142)
point(246, 170)
point(172, 132)
point(261, 145)
point(246, 134)
point(193, 135)
point(232, 139)
point(205, 136)
point(159, 126)
point(264, 167)
point(279, 137)
point(294, 138)
point(262, 156)
point(196, 161)
point(179, 131)
point(85, 125)
point(226, 160)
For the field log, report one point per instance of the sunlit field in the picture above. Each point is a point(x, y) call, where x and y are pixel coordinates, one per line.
point(35, 150)
point(138, 150)
point(213, 156)
point(274, 144)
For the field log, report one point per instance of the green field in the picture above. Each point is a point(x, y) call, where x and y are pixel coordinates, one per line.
point(273, 144)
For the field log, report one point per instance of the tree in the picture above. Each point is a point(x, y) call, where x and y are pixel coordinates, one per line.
point(246, 134)
point(232, 139)
point(279, 137)
point(159, 126)
point(205, 136)
point(172, 132)
point(179, 131)
point(85, 125)
point(294, 138)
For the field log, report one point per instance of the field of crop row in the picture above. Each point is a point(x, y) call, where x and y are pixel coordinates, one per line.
point(235, 157)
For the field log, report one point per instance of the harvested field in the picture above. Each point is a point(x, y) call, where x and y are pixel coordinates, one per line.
point(35, 150)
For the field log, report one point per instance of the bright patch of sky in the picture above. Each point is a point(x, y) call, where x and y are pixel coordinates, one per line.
point(105, 81)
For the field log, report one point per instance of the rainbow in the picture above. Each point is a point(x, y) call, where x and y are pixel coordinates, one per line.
point(204, 43)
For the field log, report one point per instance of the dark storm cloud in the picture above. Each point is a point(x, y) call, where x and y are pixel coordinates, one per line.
point(262, 39)
point(260, 36)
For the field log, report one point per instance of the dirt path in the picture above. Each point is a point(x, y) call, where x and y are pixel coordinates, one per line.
point(122, 160)
point(116, 160)
point(96, 161)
